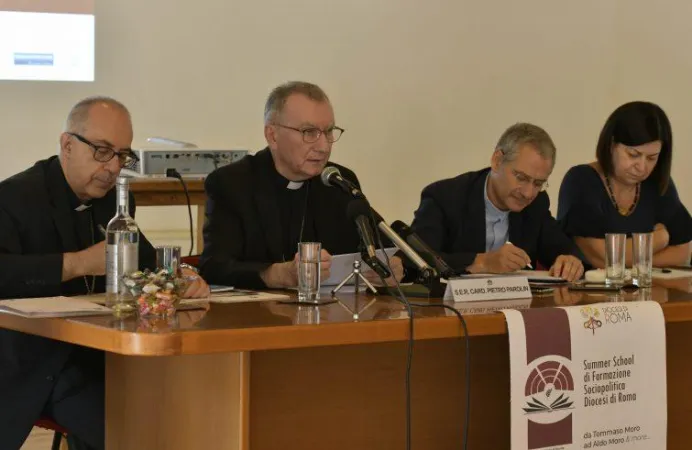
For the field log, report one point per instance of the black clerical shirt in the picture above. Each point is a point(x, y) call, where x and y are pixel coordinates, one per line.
point(253, 220)
point(295, 212)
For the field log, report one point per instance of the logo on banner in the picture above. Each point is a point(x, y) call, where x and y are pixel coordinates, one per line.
point(548, 391)
point(591, 315)
point(549, 387)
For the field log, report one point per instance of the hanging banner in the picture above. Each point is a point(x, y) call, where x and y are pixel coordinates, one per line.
point(588, 377)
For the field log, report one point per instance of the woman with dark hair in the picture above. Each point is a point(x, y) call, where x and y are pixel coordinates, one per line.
point(628, 189)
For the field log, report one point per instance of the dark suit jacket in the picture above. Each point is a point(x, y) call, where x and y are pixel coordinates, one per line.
point(242, 230)
point(451, 220)
point(36, 228)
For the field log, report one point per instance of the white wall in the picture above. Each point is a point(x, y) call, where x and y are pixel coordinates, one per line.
point(424, 89)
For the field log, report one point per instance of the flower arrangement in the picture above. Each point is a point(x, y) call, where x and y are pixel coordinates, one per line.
point(156, 293)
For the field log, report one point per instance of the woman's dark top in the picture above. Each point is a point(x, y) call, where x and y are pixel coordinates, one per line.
point(586, 210)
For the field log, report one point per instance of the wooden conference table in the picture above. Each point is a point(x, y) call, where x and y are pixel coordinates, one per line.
point(266, 375)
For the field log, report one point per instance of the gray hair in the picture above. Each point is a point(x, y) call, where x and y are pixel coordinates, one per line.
point(79, 114)
point(278, 96)
point(522, 134)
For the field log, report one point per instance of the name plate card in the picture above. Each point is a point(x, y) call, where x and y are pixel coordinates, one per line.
point(473, 288)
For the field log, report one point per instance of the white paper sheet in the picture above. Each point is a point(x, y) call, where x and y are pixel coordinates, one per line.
point(672, 275)
point(342, 265)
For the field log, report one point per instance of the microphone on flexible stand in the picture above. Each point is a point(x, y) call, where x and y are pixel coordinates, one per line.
point(358, 210)
point(172, 173)
point(426, 272)
point(423, 249)
point(331, 176)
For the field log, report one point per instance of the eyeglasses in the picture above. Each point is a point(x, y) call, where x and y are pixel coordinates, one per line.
point(126, 157)
point(525, 180)
point(312, 134)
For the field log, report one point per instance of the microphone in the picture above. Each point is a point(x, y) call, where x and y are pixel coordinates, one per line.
point(427, 253)
point(358, 210)
point(331, 176)
point(427, 272)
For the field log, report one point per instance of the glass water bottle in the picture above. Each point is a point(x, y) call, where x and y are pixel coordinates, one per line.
point(122, 251)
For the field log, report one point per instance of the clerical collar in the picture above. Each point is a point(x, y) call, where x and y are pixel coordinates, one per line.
point(75, 203)
point(282, 182)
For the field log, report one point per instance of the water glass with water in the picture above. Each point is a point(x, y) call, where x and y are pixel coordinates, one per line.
point(615, 258)
point(307, 315)
point(642, 258)
point(309, 272)
point(168, 257)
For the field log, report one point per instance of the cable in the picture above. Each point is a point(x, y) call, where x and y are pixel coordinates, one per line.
point(409, 307)
point(409, 352)
point(172, 173)
point(465, 434)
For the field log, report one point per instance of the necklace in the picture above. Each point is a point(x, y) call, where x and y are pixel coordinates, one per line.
point(622, 211)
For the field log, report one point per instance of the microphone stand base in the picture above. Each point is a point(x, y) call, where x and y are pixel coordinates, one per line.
point(436, 288)
point(431, 289)
point(316, 302)
point(358, 276)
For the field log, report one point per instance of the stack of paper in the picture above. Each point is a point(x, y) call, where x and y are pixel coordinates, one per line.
point(240, 296)
point(53, 307)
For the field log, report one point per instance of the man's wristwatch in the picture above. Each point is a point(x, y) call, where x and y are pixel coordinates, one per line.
point(188, 266)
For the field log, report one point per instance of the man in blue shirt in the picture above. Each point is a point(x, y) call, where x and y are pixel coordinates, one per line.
point(497, 220)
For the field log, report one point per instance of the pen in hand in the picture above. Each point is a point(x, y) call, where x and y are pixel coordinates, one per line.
point(528, 264)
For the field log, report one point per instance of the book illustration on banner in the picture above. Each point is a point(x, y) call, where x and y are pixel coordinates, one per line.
point(548, 388)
